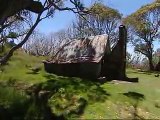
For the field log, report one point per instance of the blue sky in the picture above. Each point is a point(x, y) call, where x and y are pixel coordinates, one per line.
point(63, 19)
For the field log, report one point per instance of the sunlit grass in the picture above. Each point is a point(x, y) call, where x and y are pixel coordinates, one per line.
point(118, 104)
point(19, 68)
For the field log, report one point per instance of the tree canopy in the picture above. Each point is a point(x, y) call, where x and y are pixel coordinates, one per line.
point(100, 20)
point(144, 26)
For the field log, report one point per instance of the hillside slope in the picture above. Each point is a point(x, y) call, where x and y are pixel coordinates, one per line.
point(70, 97)
point(20, 67)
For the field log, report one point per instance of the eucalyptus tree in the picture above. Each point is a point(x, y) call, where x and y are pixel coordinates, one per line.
point(40, 44)
point(49, 7)
point(100, 20)
point(144, 27)
point(15, 27)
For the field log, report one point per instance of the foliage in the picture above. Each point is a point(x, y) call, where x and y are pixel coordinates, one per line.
point(100, 20)
point(104, 12)
point(66, 103)
point(143, 26)
point(13, 104)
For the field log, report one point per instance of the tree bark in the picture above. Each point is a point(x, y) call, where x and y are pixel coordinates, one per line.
point(151, 66)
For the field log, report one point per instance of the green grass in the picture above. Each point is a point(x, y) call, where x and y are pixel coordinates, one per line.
point(19, 69)
point(13, 104)
point(82, 98)
point(118, 103)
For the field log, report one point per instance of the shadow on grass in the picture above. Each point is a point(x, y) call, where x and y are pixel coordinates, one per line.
point(57, 98)
point(13, 104)
point(32, 72)
point(136, 97)
point(67, 96)
point(74, 85)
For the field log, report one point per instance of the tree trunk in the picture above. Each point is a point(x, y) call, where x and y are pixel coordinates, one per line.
point(150, 55)
point(151, 66)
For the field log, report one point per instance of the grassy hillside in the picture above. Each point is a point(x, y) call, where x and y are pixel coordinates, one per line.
point(20, 67)
point(74, 97)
